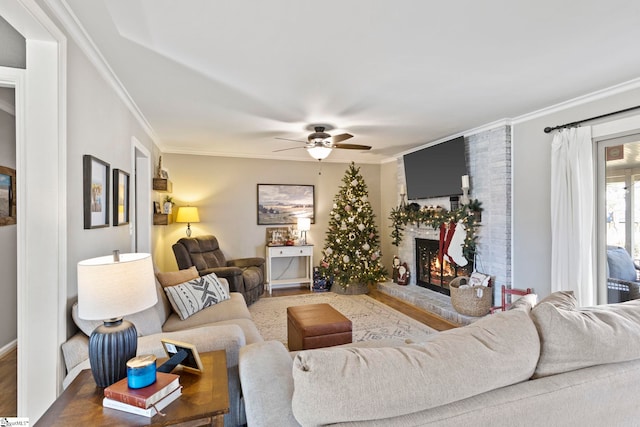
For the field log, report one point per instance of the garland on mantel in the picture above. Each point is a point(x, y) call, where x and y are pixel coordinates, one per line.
point(469, 214)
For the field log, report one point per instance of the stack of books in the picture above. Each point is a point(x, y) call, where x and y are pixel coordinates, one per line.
point(146, 401)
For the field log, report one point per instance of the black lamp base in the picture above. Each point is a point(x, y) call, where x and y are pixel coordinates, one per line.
point(111, 345)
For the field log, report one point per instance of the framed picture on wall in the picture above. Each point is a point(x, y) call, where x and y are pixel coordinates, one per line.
point(7, 196)
point(285, 203)
point(95, 183)
point(120, 197)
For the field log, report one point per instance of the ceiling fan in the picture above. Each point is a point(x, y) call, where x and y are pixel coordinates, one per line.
point(320, 144)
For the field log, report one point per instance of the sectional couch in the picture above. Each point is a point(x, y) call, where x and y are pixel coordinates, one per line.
point(554, 364)
point(226, 325)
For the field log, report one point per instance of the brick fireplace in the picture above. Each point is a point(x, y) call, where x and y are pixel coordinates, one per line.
point(489, 163)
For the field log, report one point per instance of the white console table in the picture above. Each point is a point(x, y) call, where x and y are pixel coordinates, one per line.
point(304, 251)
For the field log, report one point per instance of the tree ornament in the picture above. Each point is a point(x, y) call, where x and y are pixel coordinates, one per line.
point(366, 247)
point(347, 208)
point(352, 236)
point(346, 259)
point(361, 226)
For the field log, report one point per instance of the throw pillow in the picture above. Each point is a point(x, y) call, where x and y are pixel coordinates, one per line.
point(573, 338)
point(173, 278)
point(524, 302)
point(190, 297)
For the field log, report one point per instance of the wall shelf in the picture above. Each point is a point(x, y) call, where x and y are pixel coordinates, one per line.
point(162, 219)
point(163, 185)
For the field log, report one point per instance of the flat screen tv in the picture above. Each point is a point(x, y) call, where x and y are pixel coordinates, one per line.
point(436, 171)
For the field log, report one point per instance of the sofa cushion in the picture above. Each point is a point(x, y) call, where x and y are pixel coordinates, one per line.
point(378, 383)
point(147, 322)
point(620, 264)
point(190, 297)
point(233, 308)
point(172, 278)
point(573, 338)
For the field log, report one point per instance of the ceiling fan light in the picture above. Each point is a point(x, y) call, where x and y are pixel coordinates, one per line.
point(318, 152)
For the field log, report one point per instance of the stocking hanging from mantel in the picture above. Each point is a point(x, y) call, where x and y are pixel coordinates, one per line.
point(452, 238)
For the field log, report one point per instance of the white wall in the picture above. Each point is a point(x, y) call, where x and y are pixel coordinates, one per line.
point(8, 260)
point(389, 199)
point(225, 191)
point(99, 124)
point(531, 187)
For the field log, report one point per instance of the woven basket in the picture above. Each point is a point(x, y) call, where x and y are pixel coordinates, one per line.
point(466, 301)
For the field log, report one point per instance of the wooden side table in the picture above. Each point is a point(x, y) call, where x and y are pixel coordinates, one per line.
point(204, 401)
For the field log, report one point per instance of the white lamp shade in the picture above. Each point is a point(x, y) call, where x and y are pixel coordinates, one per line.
point(304, 224)
point(108, 289)
point(188, 214)
point(319, 152)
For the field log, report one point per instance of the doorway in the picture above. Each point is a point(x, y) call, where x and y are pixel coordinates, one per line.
point(618, 165)
point(141, 224)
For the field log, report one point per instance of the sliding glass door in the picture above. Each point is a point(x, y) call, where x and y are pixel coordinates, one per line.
point(618, 166)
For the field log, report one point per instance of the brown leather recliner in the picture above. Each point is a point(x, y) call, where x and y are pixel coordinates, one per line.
point(245, 275)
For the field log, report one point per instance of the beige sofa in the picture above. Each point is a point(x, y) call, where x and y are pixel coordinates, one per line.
point(226, 325)
point(555, 364)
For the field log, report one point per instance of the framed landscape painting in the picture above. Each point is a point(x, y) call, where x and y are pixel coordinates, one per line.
point(285, 203)
point(120, 197)
point(95, 183)
point(7, 196)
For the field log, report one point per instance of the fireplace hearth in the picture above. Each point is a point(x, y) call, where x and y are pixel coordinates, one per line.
point(433, 274)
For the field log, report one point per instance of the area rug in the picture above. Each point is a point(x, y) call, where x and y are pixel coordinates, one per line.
point(371, 320)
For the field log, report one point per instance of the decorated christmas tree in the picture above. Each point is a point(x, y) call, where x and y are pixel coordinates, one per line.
point(351, 254)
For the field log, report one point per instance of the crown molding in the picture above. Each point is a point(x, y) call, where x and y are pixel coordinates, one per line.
point(580, 100)
point(76, 31)
point(261, 157)
point(472, 131)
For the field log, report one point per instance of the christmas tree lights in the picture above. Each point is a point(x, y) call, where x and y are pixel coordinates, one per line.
point(351, 254)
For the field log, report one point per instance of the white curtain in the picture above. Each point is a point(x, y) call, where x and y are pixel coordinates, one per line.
point(572, 213)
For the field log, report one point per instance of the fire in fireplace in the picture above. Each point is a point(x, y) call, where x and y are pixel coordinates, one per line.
point(433, 274)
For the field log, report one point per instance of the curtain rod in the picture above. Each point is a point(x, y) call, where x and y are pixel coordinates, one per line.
point(579, 122)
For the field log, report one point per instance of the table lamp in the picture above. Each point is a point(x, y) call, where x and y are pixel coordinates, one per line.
point(188, 214)
point(304, 225)
point(109, 288)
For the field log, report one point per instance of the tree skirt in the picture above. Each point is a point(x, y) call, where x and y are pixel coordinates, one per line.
point(371, 320)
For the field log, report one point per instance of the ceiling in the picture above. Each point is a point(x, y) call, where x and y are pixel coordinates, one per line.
point(227, 77)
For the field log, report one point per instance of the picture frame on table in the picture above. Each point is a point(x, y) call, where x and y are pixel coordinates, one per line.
point(7, 196)
point(95, 183)
point(280, 204)
point(120, 197)
point(192, 362)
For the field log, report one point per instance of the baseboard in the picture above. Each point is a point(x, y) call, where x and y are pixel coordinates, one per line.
point(8, 348)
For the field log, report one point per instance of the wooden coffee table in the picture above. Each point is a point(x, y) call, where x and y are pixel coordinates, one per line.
point(204, 401)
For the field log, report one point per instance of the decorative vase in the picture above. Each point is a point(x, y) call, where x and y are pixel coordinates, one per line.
point(168, 207)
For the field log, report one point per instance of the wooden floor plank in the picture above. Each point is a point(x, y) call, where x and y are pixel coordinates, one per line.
point(9, 384)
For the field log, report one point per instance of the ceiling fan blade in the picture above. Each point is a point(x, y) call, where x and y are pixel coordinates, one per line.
point(352, 146)
point(286, 149)
point(341, 137)
point(294, 140)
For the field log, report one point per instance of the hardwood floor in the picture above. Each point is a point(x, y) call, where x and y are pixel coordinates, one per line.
point(8, 363)
point(429, 319)
point(9, 384)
